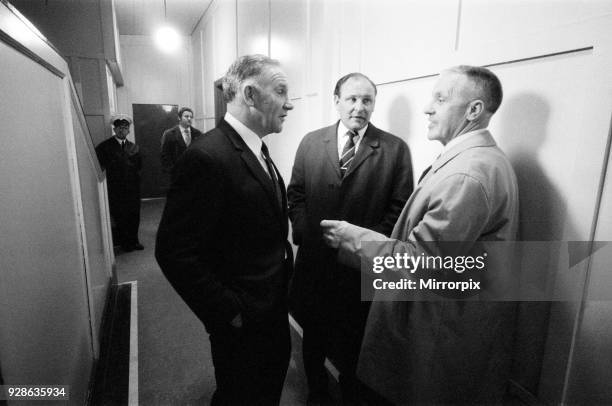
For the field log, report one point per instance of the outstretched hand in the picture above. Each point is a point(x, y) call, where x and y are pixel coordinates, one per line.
point(333, 232)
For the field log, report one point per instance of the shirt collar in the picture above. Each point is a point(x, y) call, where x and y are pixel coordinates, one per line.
point(462, 138)
point(342, 130)
point(120, 141)
point(250, 138)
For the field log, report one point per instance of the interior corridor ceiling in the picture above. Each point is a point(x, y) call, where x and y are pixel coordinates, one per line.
point(143, 17)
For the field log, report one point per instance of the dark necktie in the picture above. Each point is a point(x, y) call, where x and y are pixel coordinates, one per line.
point(348, 153)
point(270, 165)
point(123, 146)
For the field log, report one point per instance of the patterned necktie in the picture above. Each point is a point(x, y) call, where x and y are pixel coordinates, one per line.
point(272, 172)
point(348, 153)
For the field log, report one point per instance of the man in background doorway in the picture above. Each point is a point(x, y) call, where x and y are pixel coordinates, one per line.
point(353, 171)
point(175, 141)
point(222, 241)
point(122, 162)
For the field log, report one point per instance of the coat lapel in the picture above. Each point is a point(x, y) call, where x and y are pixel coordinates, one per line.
point(250, 160)
point(482, 139)
point(330, 144)
point(179, 137)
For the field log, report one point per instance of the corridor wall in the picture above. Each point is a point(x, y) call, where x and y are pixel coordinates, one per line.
point(55, 254)
point(555, 62)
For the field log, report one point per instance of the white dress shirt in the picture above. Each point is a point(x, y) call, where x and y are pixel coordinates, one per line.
point(186, 133)
point(250, 138)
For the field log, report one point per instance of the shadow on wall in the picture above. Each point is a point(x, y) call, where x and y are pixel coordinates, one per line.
point(543, 213)
point(400, 118)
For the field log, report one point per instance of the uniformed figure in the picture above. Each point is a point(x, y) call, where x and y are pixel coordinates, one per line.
point(122, 162)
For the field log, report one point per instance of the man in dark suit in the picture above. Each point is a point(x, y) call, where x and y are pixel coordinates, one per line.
point(349, 170)
point(122, 162)
point(222, 241)
point(175, 141)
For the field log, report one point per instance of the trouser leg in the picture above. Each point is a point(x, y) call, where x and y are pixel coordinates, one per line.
point(251, 363)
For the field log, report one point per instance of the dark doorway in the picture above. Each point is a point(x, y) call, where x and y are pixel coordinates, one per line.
point(150, 122)
point(220, 105)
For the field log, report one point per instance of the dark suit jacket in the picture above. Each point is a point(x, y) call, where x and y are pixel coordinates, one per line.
point(122, 169)
point(173, 145)
point(371, 194)
point(222, 240)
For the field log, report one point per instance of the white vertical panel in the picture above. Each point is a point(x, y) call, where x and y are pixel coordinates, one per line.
point(284, 144)
point(198, 71)
point(485, 22)
point(350, 23)
point(224, 36)
point(288, 41)
point(208, 68)
point(399, 35)
point(152, 76)
point(45, 336)
point(399, 110)
point(253, 26)
point(588, 379)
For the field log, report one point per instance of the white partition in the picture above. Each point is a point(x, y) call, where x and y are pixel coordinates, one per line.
point(252, 27)
point(288, 21)
point(55, 257)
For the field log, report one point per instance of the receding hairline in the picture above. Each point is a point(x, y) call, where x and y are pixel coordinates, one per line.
point(485, 85)
point(354, 75)
point(245, 69)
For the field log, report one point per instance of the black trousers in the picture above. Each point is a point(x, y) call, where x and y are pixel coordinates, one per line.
point(336, 335)
point(125, 211)
point(251, 362)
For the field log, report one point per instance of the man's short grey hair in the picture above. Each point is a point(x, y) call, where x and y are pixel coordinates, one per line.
point(243, 68)
point(486, 83)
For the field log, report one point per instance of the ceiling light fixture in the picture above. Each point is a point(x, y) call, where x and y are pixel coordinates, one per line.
point(166, 37)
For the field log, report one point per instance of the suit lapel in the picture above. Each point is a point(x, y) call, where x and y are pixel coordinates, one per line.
point(250, 161)
point(330, 144)
point(179, 137)
point(369, 143)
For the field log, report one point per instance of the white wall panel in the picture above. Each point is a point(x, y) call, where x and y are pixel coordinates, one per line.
point(208, 67)
point(589, 374)
point(401, 38)
point(349, 20)
point(198, 75)
point(486, 21)
point(152, 76)
point(284, 144)
point(288, 41)
point(399, 110)
point(45, 336)
point(98, 275)
point(225, 33)
point(253, 26)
